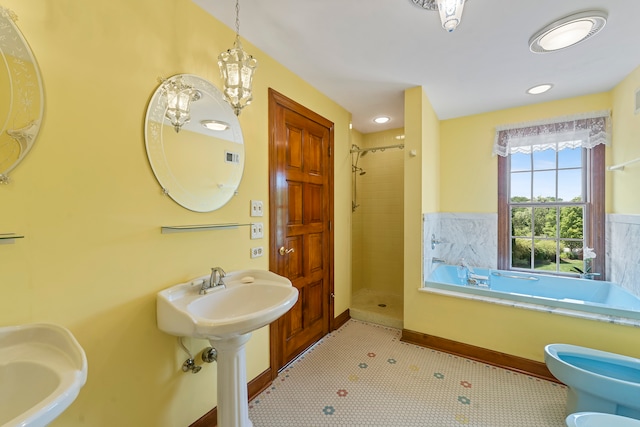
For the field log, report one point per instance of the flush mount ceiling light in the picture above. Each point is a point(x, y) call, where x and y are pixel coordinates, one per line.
point(450, 11)
point(568, 31)
point(237, 68)
point(537, 90)
point(382, 119)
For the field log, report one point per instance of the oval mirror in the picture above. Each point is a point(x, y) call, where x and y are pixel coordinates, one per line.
point(195, 149)
point(22, 100)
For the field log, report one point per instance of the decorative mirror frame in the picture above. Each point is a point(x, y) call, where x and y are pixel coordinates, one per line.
point(19, 129)
point(174, 185)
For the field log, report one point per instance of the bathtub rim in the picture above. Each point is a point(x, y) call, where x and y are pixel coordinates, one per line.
point(560, 311)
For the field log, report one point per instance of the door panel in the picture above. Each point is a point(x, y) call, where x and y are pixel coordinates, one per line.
point(294, 203)
point(301, 181)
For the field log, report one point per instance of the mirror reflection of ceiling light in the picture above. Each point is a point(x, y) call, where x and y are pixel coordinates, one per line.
point(382, 119)
point(215, 125)
point(537, 90)
point(568, 31)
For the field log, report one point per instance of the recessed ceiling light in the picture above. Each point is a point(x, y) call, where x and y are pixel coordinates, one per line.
point(537, 90)
point(568, 31)
point(215, 125)
point(381, 119)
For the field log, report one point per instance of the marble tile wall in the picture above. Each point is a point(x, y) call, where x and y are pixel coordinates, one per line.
point(474, 237)
point(623, 251)
point(471, 236)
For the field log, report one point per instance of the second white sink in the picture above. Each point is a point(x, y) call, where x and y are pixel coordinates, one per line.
point(42, 368)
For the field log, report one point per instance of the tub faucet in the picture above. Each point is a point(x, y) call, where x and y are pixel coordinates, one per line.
point(464, 264)
point(478, 280)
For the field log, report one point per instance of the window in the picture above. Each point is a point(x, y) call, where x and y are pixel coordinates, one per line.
point(551, 194)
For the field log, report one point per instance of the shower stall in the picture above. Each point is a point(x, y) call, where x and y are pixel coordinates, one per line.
point(377, 165)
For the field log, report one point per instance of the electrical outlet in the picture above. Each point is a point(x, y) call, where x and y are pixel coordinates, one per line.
point(257, 208)
point(256, 230)
point(257, 252)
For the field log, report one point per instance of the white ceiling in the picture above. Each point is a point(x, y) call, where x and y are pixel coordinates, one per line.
point(363, 54)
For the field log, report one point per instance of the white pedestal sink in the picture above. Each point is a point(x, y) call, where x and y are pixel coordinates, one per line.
point(226, 316)
point(42, 369)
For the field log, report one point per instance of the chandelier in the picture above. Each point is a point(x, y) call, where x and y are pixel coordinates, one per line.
point(237, 68)
point(450, 11)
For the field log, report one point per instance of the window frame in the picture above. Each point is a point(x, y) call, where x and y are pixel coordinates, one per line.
point(594, 218)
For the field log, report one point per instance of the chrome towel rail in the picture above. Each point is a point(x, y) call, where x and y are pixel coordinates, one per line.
point(511, 276)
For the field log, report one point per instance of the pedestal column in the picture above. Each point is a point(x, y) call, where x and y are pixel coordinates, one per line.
point(233, 405)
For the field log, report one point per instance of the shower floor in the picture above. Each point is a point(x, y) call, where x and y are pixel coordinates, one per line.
point(378, 307)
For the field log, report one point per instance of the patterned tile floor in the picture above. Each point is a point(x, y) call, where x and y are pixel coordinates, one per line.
point(363, 375)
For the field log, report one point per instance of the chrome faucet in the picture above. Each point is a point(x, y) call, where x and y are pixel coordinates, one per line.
point(217, 274)
point(214, 282)
point(464, 264)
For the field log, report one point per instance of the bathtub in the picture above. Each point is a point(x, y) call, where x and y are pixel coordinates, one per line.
point(590, 296)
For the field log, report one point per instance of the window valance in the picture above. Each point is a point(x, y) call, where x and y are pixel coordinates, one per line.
point(586, 131)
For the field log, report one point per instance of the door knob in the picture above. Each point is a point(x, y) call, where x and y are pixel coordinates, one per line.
point(284, 251)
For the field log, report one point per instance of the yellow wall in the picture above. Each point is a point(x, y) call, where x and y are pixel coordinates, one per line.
point(626, 132)
point(421, 188)
point(430, 155)
point(515, 331)
point(469, 172)
point(86, 199)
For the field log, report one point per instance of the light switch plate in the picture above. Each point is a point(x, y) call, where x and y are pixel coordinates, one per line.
point(257, 208)
point(257, 230)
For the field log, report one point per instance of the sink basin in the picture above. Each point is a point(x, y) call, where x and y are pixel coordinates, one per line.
point(42, 368)
point(249, 300)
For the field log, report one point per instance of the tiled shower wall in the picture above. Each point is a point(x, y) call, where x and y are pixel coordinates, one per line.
point(474, 237)
point(378, 221)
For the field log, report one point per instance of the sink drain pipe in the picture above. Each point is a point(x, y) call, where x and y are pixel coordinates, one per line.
point(209, 355)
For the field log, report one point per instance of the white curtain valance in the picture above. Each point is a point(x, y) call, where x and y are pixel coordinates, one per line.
point(585, 130)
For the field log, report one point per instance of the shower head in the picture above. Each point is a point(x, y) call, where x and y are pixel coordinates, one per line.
point(357, 169)
point(363, 153)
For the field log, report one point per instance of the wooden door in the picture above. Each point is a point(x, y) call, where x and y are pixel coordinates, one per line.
point(301, 215)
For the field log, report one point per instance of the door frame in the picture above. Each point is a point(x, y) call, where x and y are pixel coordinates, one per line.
point(277, 99)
